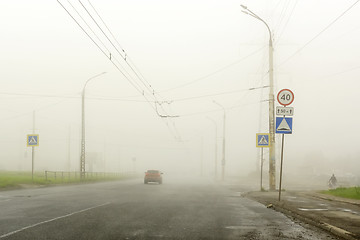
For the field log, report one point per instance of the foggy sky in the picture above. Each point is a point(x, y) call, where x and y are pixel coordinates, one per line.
point(185, 50)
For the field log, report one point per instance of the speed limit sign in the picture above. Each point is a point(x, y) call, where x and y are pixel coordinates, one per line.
point(285, 97)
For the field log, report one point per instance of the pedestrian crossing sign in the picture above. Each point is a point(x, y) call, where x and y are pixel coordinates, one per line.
point(32, 140)
point(262, 140)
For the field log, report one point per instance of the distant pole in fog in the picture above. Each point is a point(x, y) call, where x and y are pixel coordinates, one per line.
point(272, 161)
point(202, 157)
point(33, 151)
point(223, 150)
point(82, 156)
point(216, 161)
point(134, 164)
point(69, 150)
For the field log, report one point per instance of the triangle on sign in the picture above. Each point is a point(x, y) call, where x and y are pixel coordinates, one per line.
point(284, 126)
point(263, 141)
point(32, 140)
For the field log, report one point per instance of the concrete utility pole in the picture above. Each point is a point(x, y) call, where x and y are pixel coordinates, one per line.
point(272, 161)
point(223, 152)
point(82, 157)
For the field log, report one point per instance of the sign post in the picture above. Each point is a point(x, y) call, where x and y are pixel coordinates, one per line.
point(32, 141)
point(284, 124)
point(262, 140)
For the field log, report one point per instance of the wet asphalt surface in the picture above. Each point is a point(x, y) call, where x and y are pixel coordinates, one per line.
point(196, 209)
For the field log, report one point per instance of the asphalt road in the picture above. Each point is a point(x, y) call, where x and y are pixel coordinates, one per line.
point(195, 209)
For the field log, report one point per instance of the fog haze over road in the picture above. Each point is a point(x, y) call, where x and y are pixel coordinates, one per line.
point(178, 209)
point(187, 54)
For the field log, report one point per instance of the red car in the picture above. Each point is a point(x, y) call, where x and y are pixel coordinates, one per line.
point(153, 176)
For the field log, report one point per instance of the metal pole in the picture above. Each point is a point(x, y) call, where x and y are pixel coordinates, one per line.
point(216, 153)
point(216, 161)
point(82, 157)
point(69, 150)
point(32, 163)
point(223, 150)
point(281, 165)
point(261, 169)
point(202, 157)
point(33, 151)
point(223, 153)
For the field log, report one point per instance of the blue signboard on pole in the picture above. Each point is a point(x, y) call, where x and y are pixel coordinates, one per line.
point(283, 125)
point(33, 140)
point(262, 140)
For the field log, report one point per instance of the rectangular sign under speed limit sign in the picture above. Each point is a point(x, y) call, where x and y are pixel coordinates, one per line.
point(285, 111)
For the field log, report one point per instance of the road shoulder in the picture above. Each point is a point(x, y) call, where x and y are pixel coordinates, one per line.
point(337, 215)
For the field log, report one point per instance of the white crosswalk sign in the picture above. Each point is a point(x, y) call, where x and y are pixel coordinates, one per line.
point(262, 140)
point(32, 140)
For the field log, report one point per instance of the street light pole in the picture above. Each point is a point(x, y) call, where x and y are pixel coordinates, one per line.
point(82, 157)
point(223, 150)
point(216, 161)
point(272, 161)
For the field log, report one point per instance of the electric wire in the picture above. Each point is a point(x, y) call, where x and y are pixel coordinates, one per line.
point(134, 69)
point(111, 57)
point(218, 110)
point(286, 23)
point(215, 72)
point(142, 92)
point(106, 55)
point(282, 14)
point(125, 57)
point(317, 35)
point(148, 87)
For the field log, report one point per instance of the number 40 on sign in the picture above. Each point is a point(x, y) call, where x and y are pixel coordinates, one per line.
point(285, 97)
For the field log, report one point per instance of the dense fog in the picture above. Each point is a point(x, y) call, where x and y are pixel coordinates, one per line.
point(187, 54)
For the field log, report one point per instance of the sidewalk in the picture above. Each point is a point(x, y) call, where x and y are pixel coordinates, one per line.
point(338, 215)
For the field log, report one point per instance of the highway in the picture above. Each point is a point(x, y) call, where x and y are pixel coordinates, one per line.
point(196, 209)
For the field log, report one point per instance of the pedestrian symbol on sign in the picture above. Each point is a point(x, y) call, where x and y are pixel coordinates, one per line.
point(262, 140)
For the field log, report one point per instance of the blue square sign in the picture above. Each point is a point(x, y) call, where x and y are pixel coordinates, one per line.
point(283, 125)
point(262, 140)
point(32, 140)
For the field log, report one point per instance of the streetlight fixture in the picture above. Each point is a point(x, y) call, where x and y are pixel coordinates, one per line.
point(82, 157)
point(216, 168)
point(271, 101)
point(223, 150)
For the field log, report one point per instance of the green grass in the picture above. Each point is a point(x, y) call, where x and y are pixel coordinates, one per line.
point(352, 192)
point(10, 180)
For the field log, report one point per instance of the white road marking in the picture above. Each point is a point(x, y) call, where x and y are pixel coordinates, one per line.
point(51, 220)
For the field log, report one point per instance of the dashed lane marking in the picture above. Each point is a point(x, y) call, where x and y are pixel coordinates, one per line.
point(51, 220)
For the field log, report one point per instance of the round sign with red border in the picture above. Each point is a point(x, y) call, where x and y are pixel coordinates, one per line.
point(285, 97)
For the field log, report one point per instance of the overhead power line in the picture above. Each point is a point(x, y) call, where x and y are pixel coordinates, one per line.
point(132, 75)
point(321, 32)
point(215, 72)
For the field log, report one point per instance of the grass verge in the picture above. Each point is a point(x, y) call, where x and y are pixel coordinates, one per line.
point(352, 192)
point(10, 180)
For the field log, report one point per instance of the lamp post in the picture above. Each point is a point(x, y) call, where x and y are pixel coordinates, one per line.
point(82, 157)
point(213, 121)
point(223, 149)
point(271, 102)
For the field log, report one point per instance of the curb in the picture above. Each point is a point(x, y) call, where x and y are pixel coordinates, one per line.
point(325, 226)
